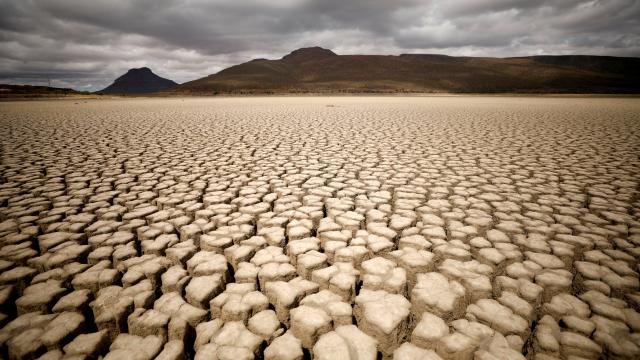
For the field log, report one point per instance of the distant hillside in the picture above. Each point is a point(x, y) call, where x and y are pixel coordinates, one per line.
point(320, 70)
point(138, 81)
point(29, 91)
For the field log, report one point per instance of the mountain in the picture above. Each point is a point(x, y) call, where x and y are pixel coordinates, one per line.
point(138, 81)
point(318, 70)
point(30, 91)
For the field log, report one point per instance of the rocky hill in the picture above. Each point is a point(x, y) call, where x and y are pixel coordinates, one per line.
point(138, 81)
point(318, 70)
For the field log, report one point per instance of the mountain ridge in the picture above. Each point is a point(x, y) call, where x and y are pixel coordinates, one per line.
point(318, 70)
point(8, 91)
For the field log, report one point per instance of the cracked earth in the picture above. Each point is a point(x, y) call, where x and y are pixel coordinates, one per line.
point(325, 228)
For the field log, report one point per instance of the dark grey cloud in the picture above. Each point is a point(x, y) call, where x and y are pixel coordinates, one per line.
point(86, 44)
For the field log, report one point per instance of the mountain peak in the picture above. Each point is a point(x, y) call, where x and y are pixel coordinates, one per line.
point(138, 81)
point(309, 53)
point(140, 70)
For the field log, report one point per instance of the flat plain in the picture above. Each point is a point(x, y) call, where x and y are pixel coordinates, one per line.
point(448, 227)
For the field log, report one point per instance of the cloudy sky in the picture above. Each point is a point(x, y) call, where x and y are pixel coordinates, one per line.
point(85, 44)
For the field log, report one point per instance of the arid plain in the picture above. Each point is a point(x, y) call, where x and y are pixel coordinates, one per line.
point(453, 227)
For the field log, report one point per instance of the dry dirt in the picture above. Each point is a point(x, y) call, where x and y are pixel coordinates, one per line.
point(331, 228)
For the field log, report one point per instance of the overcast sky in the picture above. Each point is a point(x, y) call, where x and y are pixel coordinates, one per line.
point(85, 44)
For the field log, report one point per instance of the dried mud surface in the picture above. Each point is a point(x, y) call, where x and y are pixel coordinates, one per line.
point(324, 228)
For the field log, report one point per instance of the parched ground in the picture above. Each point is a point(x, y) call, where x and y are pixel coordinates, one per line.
point(331, 228)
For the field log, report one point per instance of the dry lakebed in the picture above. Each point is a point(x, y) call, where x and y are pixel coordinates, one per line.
point(448, 227)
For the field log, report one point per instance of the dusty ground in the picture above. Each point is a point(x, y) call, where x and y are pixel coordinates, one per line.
point(336, 228)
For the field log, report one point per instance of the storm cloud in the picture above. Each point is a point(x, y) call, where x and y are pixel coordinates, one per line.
point(86, 44)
